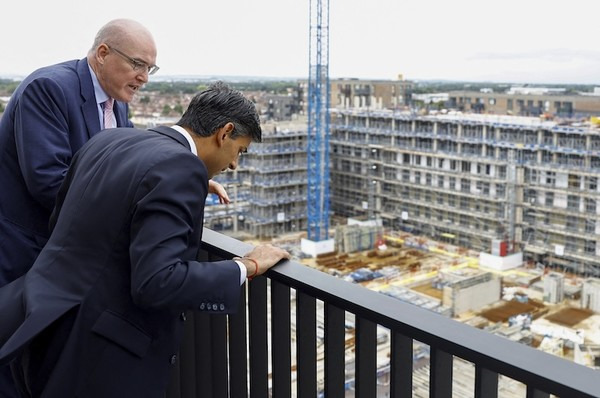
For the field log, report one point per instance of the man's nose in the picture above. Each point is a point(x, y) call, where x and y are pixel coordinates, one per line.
point(143, 75)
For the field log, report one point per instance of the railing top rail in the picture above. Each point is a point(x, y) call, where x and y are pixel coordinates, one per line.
point(520, 362)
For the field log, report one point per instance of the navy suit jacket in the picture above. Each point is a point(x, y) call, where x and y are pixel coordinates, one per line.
point(106, 293)
point(49, 117)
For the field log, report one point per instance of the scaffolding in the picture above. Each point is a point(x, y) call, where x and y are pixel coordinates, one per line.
point(475, 178)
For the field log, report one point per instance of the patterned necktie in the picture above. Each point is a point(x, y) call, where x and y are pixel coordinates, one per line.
point(109, 119)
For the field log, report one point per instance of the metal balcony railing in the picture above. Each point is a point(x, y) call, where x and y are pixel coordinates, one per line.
point(230, 356)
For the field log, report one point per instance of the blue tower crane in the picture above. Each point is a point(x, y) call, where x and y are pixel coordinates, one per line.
point(318, 122)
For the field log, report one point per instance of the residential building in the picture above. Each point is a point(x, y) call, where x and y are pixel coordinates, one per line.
point(471, 179)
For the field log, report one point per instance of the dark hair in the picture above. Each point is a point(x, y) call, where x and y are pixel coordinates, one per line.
point(218, 105)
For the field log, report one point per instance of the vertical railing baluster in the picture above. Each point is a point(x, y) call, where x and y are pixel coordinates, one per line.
point(366, 358)
point(335, 351)
point(486, 383)
point(535, 393)
point(187, 363)
point(401, 365)
point(259, 353)
point(281, 340)
point(201, 346)
point(220, 374)
point(238, 355)
point(306, 345)
point(440, 378)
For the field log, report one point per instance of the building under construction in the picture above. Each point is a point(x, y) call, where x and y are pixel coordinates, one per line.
point(277, 182)
point(472, 179)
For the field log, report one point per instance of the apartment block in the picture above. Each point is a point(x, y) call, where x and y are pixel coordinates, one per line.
point(472, 179)
point(365, 93)
point(555, 102)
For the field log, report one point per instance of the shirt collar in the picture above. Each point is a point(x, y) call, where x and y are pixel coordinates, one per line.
point(187, 136)
point(99, 92)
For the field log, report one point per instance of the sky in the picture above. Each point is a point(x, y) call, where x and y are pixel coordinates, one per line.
point(513, 41)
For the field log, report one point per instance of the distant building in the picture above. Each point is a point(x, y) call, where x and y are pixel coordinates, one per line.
point(526, 102)
point(279, 107)
point(554, 287)
point(368, 94)
point(276, 177)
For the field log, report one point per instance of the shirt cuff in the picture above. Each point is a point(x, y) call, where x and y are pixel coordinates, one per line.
point(243, 272)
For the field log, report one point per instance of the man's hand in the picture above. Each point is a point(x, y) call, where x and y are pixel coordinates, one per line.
point(265, 257)
point(219, 190)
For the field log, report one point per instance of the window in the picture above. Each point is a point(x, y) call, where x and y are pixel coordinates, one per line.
point(500, 190)
point(452, 181)
point(550, 178)
point(440, 180)
point(405, 175)
point(592, 183)
point(428, 179)
point(590, 206)
point(465, 185)
point(464, 203)
point(590, 246)
point(501, 171)
point(466, 166)
point(573, 202)
point(549, 199)
point(574, 181)
point(529, 196)
point(417, 177)
point(590, 226)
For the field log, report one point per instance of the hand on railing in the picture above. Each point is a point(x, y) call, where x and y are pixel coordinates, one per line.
point(261, 258)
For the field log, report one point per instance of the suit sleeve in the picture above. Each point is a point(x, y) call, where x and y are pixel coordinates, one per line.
point(42, 139)
point(167, 217)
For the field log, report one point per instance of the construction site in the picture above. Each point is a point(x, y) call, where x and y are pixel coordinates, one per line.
point(471, 179)
point(548, 310)
point(489, 220)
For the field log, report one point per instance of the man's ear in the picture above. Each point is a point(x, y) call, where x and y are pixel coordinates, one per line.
point(224, 132)
point(101, 52)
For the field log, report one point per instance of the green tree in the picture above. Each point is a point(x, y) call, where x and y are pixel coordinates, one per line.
point(178, 108)
point(166, 110)
point(145, 99)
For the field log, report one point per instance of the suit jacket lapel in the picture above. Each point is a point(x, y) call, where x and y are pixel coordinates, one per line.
point(169, 132)
point(89, 107)
point(121, 115)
